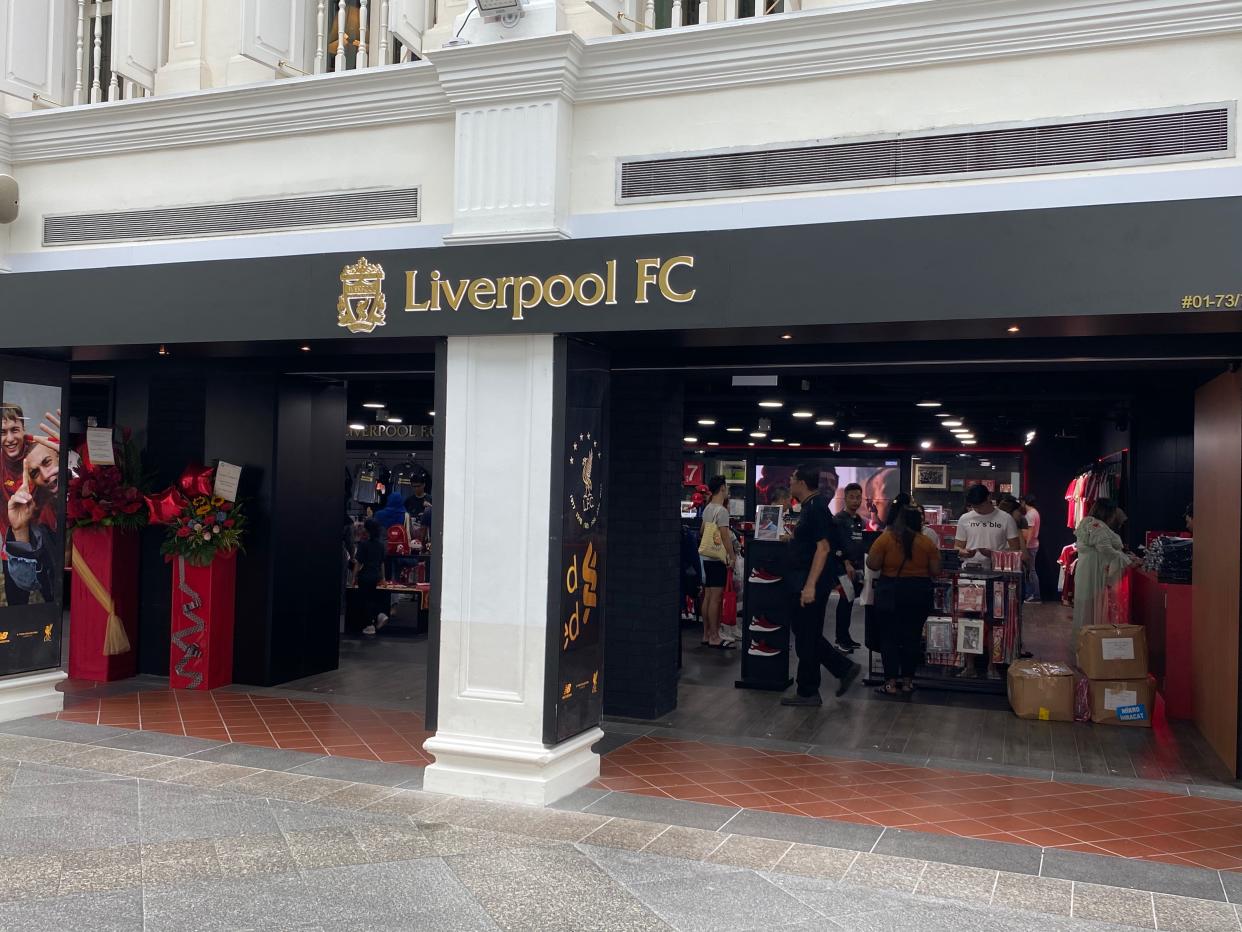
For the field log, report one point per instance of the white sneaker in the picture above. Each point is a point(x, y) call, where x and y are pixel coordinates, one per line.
point(369, 629)
point(380, 620)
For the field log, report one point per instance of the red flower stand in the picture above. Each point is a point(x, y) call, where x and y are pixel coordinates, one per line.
point(105, 592)
point(201, 654)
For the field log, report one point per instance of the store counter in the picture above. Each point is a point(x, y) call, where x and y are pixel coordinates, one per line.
point(1164, 609)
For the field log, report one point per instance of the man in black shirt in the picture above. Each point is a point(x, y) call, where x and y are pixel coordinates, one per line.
point(852, 526)
point(817, 555)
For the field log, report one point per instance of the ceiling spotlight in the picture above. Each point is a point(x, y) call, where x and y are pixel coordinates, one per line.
point(944, 414)
point(881, 446)
point(856, 435)
point(772, 403)
point(786, 336)
point(804, 414)
point(163, 350)
point(373, 404)
point(825, 422)
point(927, 404)
point(712, 443)
point(951, 423)
point(791, 444)
point(1014, 329)
point(706, 422)
point(758, 435)
point(750, 443)
point(357, 426)
point(778, 439)
point(969, 443)
point(734, 430)
point(870, 440)
point(305, 348)
point(926, 444)
point(959, 430)
point(1030, 437)
point(966, 436)
point(690, 439)
point(431, 414)
point(394, 420)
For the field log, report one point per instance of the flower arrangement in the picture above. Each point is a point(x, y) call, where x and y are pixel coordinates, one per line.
point(204, 526)
point(109, 496)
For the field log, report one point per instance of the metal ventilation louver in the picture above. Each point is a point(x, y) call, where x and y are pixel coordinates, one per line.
point(1203, 132)
point(347, 208)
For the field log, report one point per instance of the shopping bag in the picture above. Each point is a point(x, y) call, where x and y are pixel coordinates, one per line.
point(728, 603)
point(710, 545)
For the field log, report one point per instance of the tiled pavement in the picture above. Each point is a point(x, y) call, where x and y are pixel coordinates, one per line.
point(1146, 823)
point(103, 838)
point(268, 720)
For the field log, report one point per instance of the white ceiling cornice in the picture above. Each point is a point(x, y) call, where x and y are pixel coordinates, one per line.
point(6, 141)
point(321, 103)
point(869, 35)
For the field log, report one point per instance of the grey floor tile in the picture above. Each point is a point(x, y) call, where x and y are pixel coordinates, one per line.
point(1022, 891)
point(1017, 859)
point(29, 877)
point(816, 861)
point(805, 830)
point(883, 872)
point(1114, 904)
point(404, 802)
point(117, 798)
point(667, 811)
point(117, 911)
point(580, 798)
point(835, 899)
point(325, 847)
point(355, 796)
point(409, 895)
point(51, 774)
point(956, 882)
point(678, 841)
point(707, 904)
point(415, 782)
point(1232, 884)
point(154, 742)
point(212, 820)
point(630, 867)
point(221, 905)
point(1177, 912)
point(358, 771)
point(624, 833)
point(1138, 875)
point(247, 755)
point(758, 854)
point(254, 855)
point(61, 731)
point(447, 840)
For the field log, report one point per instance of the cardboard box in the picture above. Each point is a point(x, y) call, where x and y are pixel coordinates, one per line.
point(1042, 691)
point(1123, 702)
point(1113, 652)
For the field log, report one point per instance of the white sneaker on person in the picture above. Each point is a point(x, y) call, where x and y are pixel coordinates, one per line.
point(369, 629)
point(380, 620)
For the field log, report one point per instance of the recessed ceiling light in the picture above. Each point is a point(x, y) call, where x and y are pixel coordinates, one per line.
point(856, 435)
point(825, 422)
point(357, 426)
point(786, 336)
point(750, 443)
point(707, 422)
point(778, 439)
point(959, 430)
point(1014, 329)
point(969, 443)
point(804, 414)
point(373, 404)
point(870, 440)
point(791, 444)
point(712, 443)
point(944, 414)
point(690, 439)
point(881, 445)
point(431, 414)
point(772, 403)
point(734, 430)
point(394, 420)
point(927, 404)
point(951, 423)
point(926, 444)
point(305, 348)
point(966, 436)
point(758, 435)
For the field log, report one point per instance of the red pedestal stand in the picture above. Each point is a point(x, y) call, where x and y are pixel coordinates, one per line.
point(201, 655)
point(105, 569)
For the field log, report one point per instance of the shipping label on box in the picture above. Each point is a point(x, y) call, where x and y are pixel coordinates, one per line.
point(1113, 652)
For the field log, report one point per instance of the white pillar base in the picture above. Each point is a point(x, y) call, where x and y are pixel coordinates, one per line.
point(524, 772)
point(31, 694)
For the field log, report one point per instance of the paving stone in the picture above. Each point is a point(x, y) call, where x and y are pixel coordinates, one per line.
point(28, 877)
point(955, 882)
point(1193, 915)
point(708, 904)
point(816, 861)
point(1043, 894)
point(1114, 904)
point(325, 847)
point(754, 853)
point(885, 873)
point(624, 833)
point(254, 855)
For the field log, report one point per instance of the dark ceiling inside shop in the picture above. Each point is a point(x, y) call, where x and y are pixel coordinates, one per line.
point(997, 408)
point(410, 398)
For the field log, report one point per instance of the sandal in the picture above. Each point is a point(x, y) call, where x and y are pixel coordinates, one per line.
point(723, 645)
point(888, 689)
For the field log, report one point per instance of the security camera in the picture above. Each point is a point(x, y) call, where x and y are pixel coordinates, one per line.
point(8, 199)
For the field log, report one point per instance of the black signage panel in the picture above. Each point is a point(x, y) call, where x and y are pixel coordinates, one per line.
point(575, 650)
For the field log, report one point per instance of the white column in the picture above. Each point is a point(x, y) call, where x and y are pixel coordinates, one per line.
point(31, 694)
point(187, 68)
point(497, 428)
point(6, 148)
point(514, 104)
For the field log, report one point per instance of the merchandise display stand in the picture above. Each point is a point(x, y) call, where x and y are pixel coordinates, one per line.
point(970, 609)
point(765, 653)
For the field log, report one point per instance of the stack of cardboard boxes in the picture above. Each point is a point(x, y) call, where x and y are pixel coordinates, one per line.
point(1114, 659)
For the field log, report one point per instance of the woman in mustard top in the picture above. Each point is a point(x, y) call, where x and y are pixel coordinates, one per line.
point(906, 562)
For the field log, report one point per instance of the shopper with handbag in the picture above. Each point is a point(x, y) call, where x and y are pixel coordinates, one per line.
point(906, 562)
point(716, 549)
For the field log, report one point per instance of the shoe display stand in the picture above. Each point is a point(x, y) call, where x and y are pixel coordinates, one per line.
point(995, 598)
point(766, 622)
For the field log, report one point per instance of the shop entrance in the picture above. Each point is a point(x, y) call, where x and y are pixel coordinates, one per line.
point(1064, 435)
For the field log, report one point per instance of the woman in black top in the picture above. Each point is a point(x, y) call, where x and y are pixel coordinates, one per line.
point(369, 570)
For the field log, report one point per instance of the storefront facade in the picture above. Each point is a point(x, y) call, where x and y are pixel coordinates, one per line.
point(550, 249)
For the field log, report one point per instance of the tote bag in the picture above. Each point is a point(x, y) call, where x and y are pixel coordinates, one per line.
point(710, 545)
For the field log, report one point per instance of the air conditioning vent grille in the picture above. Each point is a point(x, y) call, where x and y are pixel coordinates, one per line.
point(1050, 147)
point(348, 208)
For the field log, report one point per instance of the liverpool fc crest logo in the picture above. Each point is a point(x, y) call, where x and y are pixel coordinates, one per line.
point(361, 306)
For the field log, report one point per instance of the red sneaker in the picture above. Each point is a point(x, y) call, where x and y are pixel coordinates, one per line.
point(760, 649)
point(763, 626)
point(760, 575)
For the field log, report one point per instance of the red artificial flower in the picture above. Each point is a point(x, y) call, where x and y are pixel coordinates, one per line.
point(229, 522)
point(183, 531)
point(209, 520)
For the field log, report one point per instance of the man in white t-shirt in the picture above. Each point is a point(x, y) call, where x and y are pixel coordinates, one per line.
point(983, 529)
point(1032, 546)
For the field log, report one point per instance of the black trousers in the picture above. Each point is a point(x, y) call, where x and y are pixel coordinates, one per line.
point(814, 650)
point(903, 627)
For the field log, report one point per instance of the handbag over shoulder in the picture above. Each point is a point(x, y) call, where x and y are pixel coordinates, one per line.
point(710, 545)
